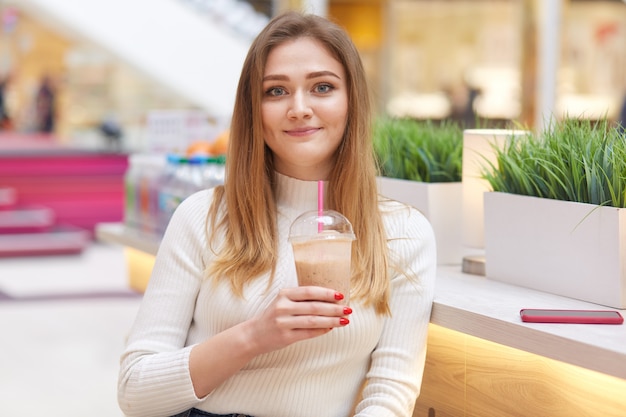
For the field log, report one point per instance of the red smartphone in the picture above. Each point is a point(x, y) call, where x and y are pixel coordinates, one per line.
point(533, 315)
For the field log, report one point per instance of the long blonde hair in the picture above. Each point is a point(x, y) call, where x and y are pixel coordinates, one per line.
point(248, 220)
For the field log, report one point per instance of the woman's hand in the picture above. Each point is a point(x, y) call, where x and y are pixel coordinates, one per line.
point(297, 314)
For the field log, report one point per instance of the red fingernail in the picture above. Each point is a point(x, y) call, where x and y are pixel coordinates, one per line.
point(343, 321)
point(347, 310)
point(338, 296)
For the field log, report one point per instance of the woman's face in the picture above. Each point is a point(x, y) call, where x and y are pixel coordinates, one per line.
point(304, 108)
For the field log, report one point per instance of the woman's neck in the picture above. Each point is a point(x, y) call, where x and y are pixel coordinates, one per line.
point(295, 193)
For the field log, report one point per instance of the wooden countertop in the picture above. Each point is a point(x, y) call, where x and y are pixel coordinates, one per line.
point(487, 309)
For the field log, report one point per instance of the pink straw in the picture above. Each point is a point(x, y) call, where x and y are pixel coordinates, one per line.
point(320, 205)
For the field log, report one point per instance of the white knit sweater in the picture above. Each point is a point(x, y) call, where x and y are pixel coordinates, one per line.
point(320, 377)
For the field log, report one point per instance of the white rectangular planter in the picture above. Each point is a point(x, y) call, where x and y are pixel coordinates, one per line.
point(441, 203)
point(571, 249)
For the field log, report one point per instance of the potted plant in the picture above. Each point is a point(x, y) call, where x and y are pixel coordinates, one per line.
point(420, 164)
point(555, 220)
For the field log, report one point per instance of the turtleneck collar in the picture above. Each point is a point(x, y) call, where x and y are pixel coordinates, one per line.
point(295, 194)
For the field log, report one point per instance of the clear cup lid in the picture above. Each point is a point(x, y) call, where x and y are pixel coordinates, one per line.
point(329, 225)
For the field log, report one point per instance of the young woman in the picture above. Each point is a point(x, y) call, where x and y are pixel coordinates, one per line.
point(224, 328)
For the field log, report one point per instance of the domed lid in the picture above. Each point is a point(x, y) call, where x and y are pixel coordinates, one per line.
point(329, 225)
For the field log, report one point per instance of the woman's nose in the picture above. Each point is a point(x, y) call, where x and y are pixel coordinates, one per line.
point(299, 106)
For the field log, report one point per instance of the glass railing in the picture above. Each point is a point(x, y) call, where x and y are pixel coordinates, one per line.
point(241, 17)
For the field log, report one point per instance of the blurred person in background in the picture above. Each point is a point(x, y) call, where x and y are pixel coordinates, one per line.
point(111, 130)
point(5, 118)
point(45, 106)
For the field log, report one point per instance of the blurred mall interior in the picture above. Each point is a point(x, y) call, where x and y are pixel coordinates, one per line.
point(425, 58)
point(87, 85)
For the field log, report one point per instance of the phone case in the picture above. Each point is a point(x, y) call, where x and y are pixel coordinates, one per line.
point(571, 316)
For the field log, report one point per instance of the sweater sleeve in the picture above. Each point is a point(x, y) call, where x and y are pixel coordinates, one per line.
point(395, 374)
point(154, 377)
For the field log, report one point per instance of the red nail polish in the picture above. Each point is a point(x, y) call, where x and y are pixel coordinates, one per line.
point(343, 321)
point(338, 296)
point(347, 310)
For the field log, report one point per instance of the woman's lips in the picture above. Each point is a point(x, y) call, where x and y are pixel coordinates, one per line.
point(304, 131)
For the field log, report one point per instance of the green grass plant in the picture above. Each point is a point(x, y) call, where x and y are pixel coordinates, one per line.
point(573, 160)
point(423, 151)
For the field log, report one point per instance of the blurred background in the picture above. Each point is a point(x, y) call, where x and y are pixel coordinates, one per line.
point(87, 86)
point(113, 61)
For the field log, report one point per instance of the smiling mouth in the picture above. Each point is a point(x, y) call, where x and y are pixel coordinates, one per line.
point(302, 131)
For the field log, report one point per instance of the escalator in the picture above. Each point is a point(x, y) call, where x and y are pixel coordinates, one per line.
point(195, 48)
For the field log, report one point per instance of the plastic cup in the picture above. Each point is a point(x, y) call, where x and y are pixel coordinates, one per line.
point(322, 249)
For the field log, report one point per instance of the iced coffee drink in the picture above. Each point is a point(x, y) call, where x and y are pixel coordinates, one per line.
point(322, 248)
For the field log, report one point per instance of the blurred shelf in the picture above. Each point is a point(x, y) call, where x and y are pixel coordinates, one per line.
point(56, 240)
point(126, 236)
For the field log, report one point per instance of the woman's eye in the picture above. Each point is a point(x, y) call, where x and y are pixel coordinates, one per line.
point(323, 88)
point(275, 91)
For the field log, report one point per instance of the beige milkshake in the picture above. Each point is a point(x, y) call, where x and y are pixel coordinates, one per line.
point(322, 248)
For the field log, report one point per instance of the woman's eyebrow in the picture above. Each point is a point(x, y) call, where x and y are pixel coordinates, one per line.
point(316, 74)
point(277, 77)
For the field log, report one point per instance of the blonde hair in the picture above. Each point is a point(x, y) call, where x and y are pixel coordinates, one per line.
point(248, 220)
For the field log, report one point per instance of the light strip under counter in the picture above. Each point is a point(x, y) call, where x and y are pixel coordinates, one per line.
point(489, 310)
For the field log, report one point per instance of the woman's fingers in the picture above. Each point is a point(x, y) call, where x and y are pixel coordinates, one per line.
point(311, 292)
point(314, 321)
point(310, 308)
point(300, 313)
